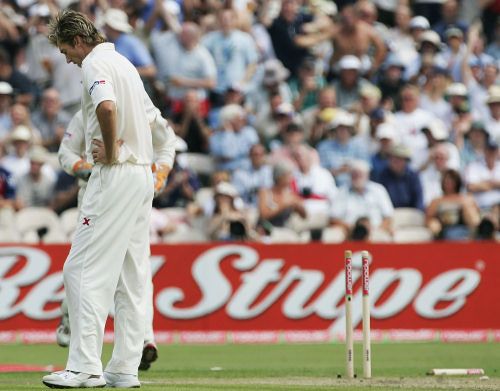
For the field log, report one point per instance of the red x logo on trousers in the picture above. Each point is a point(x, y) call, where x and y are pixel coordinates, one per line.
point(86, 221)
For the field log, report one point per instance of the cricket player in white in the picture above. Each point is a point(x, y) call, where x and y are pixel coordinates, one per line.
point(109, 254)
point(70, 154)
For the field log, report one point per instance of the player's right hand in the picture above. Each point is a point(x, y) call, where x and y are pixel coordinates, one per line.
point(82, 169)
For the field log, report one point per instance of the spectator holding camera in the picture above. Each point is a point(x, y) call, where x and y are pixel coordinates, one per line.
point(228, 222)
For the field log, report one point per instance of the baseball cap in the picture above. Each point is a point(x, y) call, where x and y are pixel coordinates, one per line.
point(5, 88)
point(38, 154)
point(343, 118)
point(401, 151)
point(225, 188)
point(456, 89)
point(386, 131)
point(117, 20)
point(493, 94)
point(285, 109)
point(437, 129)
point(359, 165)
point(378, 114)
point(20, 133)
point(431, 37)
point(454, 32)
point(350, 62)
point(419, 22)
point(370, 91)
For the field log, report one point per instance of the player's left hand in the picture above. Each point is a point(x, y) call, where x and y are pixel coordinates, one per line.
point(160, 173)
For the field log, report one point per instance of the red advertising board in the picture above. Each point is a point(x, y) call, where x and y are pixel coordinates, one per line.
point(240, 292)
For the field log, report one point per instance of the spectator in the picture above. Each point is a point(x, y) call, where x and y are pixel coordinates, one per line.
point(292, 138)
point(401, 38)
point(473, 143)
point(336, 152)
point(453, 55)
point(410, 120)
point(351, 37)
point(234, 53)
point(401, 182)
point(259, 176)
point(35, 188)
point(492, 122)
point(320, 114)
point(277, 204)
point(182, 183)
point(432, 98)
point(290, 41)
point(432, 176)
point(350, 82)
point(449, 19)
point(119, 31)
point(231, 144)
point(6, 92)
point(51, 120)
point(429, 48)
point(418, 24)
point(391, 81)
point(305, 88)
point(7, 198)
point(23, 88)
point(228, 222)
point(183, 65)
point(362, 207)
point(482, 179)
point(454, 215)
point(190, 124)
point(315, 184)
point(272, 83)
point(437, 133)
point(369, 101)
point(387, 137)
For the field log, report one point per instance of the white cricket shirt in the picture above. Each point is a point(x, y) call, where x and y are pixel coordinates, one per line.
point(107, 75)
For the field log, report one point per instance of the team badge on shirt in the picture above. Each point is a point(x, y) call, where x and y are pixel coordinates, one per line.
point(95, 84)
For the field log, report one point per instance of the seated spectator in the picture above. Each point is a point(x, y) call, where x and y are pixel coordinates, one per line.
point(231, 144)
point(454, 215)
point(51, 120)
point(305, 88)
point(482, 180)
point(436, 133)
point(362, 207)
point(7, 197)
point(292, 138)
point(401, 182)
point(431, 176)
point(493, 120)
point(336, 152)
point(410, 120)
point(472, 143)
point(433, 94)
point(271, 83)
point(277, 204)
point(182, 183)
point(387, 137)
point(228, 222)
point(24, 90)
point(259, 176)
point(184, 65)
point(314, 183)
point(350, 82)
point(391, 81)
point(320, 114)
point(190, 124)
point(6, 92)
point(35, 188)
point(17, 160)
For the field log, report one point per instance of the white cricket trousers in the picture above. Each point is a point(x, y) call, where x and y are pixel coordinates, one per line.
point(108, 261)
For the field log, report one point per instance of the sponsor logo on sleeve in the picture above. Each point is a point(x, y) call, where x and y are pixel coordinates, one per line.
point(95, 84)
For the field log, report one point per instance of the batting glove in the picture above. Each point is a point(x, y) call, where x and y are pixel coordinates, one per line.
point(82, 169)
point(160, 172)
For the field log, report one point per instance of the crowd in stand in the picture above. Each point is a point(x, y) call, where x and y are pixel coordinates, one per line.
point(329, 114)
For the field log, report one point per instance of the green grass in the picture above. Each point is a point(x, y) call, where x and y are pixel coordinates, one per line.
point(279, 367)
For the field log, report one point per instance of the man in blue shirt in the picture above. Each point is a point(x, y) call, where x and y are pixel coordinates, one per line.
point(401, 182)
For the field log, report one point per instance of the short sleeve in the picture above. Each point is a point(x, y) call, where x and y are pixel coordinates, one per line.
point(98, 83)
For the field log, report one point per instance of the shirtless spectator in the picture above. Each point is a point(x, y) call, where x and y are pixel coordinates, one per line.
point(353, 36)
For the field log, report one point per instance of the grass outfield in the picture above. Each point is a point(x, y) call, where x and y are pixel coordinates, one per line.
point(283, 367)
